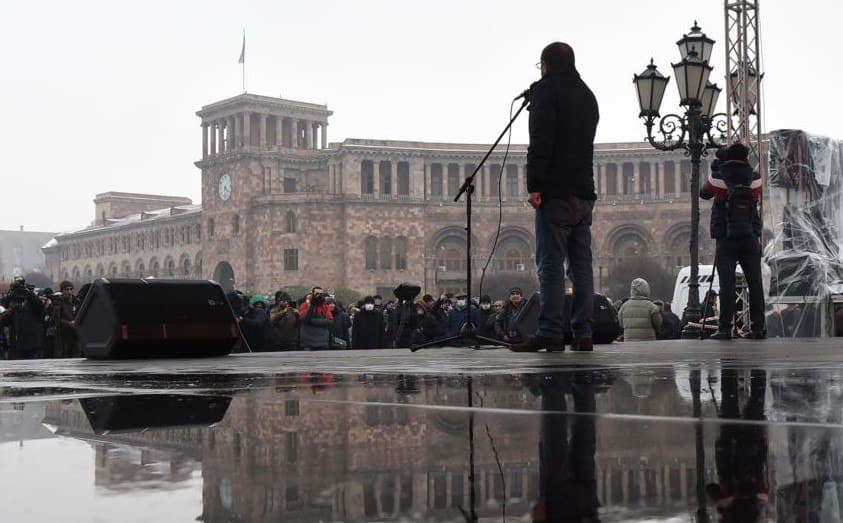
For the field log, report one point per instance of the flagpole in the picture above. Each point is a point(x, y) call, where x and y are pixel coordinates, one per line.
point(243, 59)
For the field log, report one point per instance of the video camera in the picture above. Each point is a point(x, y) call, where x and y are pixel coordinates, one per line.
point(18, 294)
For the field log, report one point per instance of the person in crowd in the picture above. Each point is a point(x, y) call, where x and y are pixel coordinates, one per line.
point(367, 328)
point(791, 317)
point(773, 320)
point(342, 323)
point(427, 326)
point(709, 304)
point(560, 183)
point(24, 317)
point(462, 311)
point(405, 322)
point(736, 228)
point(639, 317)
point(488, 317)
point(317, 321)
point(46, 297)
point(285, 318)
point(670, 324)
point(67, 339)
point(378, 302)
point(389, 321)
point(506, 326)
point(257, 328)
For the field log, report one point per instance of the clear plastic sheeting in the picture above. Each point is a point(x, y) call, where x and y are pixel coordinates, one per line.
point(804, 251)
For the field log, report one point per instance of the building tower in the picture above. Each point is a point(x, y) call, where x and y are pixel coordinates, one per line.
point(253, 147)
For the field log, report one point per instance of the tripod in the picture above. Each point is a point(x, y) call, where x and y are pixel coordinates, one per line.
point(468, 332)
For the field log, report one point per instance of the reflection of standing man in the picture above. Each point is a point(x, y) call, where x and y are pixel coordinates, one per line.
point(741, 451)
point(567, 478)
point(560, 180)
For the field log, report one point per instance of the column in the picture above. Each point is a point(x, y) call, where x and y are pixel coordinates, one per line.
point(279, 131)
point(657, 168)
point(426, 188)
point(204, 140)
point(308, 135)
point(231, 139)
point(294, 133)
point(221, 132)
point(636, 176)
point(376, 175)
point(213, 130)
point(521, 189)
point(239, 131)
point(324, 135)
point(314, 129)
point(262, 131)
point(247, 129)
point(602, 174)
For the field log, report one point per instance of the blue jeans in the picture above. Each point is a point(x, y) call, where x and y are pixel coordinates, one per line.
point(563, 231)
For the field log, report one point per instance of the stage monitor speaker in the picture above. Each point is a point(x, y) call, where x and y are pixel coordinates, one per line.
point(605, 326)
point(132, 318)
point(132, 413)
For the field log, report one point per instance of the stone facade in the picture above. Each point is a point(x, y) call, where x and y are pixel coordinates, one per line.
point(283, 207)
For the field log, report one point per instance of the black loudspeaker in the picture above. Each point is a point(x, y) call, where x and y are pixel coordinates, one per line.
point(130, 318)
point(605, 318)
point(112, 414)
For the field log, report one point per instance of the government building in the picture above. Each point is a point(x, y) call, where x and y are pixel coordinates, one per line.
point(282, 206)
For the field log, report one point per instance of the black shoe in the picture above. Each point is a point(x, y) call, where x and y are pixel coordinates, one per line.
point(538, 342)
point(721, 335)
point(760, 334)
point(582, 344)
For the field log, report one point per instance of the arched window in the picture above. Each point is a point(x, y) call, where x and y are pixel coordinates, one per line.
point(100, 271)
point(141, 270)
point(112, 270)
point(89, 274)
point(451, 255)
point(290, 222)
point(371, 254)
point(186, 268)
point(125, 269)
point(171, 268)
point(155, 268)
point(511, 255)
point(386, 253)
point(401, 253)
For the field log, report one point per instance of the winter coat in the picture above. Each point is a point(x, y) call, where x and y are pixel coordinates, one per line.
point(258, 331)
point(286, 323)
point(729, 174)
point(341, 325)
point(504, 321)
point(563, 122)
point(639, 317)
point(670, 326)
point(26, 327)
point(457, 318)
point(488, 318)
point(367, 330)
point(317, 322)
point(427, 328)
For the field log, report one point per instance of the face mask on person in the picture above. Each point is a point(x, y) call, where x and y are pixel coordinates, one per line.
point(461, 304)
point(485, 306)
point(369, 306)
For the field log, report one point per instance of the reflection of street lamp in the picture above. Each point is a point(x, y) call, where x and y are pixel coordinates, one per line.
point(699, 97)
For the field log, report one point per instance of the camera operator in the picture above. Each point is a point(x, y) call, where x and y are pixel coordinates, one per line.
point(286, 319)
point(24, 316)
point(317, 321)
point(50, 342)
point(65, 317)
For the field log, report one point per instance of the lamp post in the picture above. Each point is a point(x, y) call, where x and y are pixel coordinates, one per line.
point(690, 132)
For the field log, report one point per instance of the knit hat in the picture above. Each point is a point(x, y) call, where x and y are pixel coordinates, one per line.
point(65, 285)
point(640, 288)
point(737, 152)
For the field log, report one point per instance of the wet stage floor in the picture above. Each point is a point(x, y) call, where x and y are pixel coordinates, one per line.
point(668, 431)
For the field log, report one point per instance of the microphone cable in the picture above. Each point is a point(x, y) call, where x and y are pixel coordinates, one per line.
point(500, 206)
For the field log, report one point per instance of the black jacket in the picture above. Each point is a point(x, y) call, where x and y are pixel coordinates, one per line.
point(729, 174)
point(563, 121)
point(367, 330)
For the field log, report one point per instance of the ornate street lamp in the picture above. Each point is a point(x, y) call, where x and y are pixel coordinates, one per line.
point(691, 132)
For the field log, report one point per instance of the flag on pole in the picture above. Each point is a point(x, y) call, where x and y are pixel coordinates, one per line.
point(242, 59)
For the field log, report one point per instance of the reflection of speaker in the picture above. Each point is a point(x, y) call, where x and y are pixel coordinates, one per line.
point(131, 413)
point(606, 327)
point(155, 318)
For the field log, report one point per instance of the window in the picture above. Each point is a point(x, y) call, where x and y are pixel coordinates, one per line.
point(291, 408)
point(386, 253)
point(512, 182)
point(371, 253)
point(494, 179)
point(628, 178)
point(235, 224)
point(403, 179)
point(452, 256)
point(171, 268)
point(289, 185)
point(210, 228)
point(436, 179)
point(401, 253)
point(367, 177)
point(385, 177)
point(669, 175)
point(685, 178)
point(611, 179)
point(292, 447)
point(644, 175)
point(453, 179)
point(185, 267)
point(291, 259)
point(290, 222)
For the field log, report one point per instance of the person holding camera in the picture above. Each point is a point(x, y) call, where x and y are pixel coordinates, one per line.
point(286, 319)
point(317, 321)
point(24, 316)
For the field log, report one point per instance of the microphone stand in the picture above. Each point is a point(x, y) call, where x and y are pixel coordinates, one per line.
point(468, 332)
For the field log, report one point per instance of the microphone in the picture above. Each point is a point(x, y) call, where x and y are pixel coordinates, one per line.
point(527, 93)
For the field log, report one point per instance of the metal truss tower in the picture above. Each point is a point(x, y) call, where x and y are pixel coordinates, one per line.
point(743, 81)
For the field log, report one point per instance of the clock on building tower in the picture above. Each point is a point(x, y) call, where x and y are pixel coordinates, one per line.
point(225, 187)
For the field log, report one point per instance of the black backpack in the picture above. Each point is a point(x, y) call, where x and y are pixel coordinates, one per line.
point(740, 208)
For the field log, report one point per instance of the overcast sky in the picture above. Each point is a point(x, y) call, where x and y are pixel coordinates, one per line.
point(100, 95)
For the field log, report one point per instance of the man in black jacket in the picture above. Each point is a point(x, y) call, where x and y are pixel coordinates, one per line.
point(560, 180)
point(737, 236)
point(367, 327)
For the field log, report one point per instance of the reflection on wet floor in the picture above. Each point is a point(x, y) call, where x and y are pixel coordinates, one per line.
point(574, 444)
